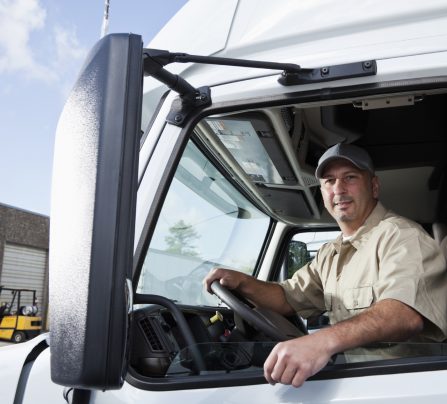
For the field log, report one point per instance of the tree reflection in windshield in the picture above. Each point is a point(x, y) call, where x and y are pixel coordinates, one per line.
point(204, 222)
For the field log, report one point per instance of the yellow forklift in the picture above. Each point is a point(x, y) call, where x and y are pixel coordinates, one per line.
point(18, 321)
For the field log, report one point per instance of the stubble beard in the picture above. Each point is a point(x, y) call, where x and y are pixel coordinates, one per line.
point(341, 215)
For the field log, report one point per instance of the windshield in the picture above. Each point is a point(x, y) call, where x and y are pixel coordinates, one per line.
point(204, 222)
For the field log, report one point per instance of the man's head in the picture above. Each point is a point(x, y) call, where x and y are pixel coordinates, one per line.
point(349, 186)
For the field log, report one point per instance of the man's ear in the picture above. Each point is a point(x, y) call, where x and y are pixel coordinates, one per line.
point(375, 186)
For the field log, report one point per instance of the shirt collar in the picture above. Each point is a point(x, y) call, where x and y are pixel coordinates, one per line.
point(357, 239)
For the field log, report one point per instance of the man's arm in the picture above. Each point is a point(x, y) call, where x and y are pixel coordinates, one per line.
point(263, 294)
point(292, 362)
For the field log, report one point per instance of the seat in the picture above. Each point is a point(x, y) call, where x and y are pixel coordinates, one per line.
point(439, 230)
point(443, 247)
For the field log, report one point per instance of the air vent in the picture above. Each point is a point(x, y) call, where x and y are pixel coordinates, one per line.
point(148, 327)
point(310, 180)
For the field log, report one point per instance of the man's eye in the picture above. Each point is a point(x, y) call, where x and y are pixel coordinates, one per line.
point(329, 181)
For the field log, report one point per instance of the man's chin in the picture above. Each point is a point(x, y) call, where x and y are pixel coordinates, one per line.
point(344, 217)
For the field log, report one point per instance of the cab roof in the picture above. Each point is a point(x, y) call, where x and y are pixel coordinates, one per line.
point(311, 33)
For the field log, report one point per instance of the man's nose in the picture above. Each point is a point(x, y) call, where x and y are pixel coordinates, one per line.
point(339, 186)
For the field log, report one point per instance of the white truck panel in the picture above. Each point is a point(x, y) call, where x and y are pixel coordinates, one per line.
point(12, 358)
point(40, 389)
point(411, 388)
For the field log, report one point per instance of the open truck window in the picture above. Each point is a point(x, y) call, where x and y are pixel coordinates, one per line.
point(234, 186)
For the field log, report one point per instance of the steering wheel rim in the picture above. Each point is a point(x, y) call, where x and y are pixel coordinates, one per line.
point(272, 324)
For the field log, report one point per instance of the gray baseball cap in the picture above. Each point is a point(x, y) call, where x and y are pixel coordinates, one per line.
point(356, 155)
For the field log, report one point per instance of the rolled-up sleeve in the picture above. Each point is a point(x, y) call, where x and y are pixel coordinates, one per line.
point(413, 271)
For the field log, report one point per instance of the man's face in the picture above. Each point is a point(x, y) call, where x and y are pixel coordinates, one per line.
point(349, 194)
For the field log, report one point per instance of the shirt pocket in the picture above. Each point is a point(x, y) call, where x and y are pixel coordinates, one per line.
point(358, 298)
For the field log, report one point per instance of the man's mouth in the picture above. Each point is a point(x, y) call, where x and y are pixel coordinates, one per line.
point(342, 203)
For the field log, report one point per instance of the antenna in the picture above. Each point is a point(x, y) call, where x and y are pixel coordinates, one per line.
point(105, 19)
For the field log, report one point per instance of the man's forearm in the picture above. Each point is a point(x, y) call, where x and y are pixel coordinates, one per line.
point(294, 361)
point(265, 294)
point(387, 320)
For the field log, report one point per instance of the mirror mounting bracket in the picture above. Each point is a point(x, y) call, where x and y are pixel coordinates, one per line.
point(192, 98)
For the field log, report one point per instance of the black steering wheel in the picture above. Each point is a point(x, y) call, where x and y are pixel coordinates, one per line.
point(271, 323)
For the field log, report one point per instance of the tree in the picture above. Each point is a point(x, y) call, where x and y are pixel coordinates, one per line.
point(181, 239)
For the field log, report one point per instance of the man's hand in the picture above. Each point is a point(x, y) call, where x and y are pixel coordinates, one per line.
point(294, 361)
point(227, 277)
point(263, 294)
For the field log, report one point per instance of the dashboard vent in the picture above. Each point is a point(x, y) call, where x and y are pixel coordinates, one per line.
point(148, 325)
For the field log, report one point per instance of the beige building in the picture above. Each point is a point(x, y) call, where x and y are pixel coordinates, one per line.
point(24, 240)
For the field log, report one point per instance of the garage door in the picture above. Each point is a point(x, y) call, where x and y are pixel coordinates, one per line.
point(25, 268)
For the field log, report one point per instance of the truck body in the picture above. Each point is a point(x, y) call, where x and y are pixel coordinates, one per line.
point(168, 165)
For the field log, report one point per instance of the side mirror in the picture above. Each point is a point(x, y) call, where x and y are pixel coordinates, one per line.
point(92, 217)
point(297, 256)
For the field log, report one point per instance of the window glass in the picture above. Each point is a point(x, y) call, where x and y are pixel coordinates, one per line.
point(302, 249)
point(304, 246)
point(315, 239)
point(205, 222)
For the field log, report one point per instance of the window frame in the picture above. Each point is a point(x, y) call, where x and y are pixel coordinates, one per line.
point(329, 372)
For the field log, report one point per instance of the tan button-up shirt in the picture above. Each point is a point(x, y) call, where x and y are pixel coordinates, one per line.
point(389, 257)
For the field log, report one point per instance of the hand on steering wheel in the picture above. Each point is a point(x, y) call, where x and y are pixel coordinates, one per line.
point(272, 324)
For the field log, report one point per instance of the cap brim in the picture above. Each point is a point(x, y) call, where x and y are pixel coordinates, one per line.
point(320, 169)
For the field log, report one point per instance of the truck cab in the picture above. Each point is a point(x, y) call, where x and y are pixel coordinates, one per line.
point(199, 151)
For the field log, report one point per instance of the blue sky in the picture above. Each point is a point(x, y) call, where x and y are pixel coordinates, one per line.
point(42, 47)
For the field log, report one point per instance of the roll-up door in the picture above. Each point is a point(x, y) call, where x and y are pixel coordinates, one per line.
point(25, 268)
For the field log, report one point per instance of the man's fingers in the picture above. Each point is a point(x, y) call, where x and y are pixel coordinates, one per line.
point(210, 278)
point(291, 362)
point(288, 375)
point(224, 282)
point(269, 366)
point(224, 276)
point(278, 371)
point(298, 380)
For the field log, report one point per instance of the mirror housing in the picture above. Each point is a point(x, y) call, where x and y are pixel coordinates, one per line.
point(93, 217)
point(297, 256)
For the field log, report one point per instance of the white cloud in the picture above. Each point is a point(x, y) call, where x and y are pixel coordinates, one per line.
point(67, 45)
point(69, 54)
point(19, 21)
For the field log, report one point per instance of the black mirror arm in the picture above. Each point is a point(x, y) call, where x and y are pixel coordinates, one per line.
point(192, 98)
point(163, 57)
point(154, 61)
point(153, 65)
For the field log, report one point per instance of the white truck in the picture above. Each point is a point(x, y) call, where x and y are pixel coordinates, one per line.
point(168, 164)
